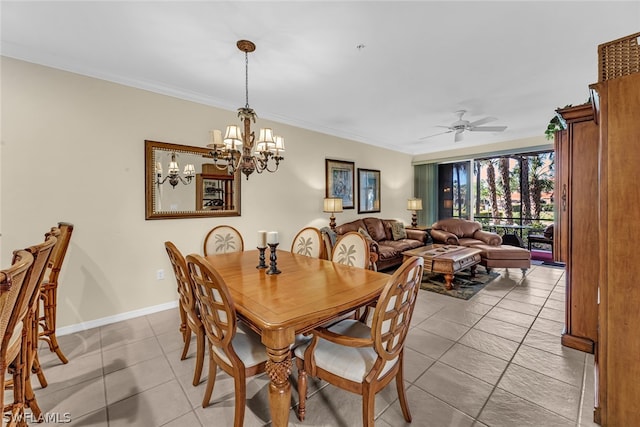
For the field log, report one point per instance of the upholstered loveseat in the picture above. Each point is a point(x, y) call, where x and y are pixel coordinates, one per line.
point(380, 235)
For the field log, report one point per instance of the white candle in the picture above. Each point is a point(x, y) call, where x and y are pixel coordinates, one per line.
point(262, 239)
point(272, 237)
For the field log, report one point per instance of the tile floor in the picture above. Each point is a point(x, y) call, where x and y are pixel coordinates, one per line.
point(495, 360)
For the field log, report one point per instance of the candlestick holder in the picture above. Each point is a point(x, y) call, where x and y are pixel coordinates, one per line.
point(262, 264)
point(273, 269)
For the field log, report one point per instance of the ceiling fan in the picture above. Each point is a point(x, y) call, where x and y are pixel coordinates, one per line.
point(460, 125)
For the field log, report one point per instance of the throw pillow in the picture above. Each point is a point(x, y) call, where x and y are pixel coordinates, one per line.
point(365, 233)
point(398, 231)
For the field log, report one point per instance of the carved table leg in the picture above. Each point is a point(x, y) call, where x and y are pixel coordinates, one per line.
point(278, 368)
point(473, 270)
point(448, 279)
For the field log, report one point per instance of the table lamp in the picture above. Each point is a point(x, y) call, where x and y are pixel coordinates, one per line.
point(414, 205)
point(332, 205)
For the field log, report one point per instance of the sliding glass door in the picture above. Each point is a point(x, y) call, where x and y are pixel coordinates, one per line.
point(454, 195)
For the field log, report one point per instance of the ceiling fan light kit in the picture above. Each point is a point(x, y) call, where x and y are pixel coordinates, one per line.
point(461, 125)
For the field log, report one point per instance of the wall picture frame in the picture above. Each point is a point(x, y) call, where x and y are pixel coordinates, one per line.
point(368, 190)
point(339, 177)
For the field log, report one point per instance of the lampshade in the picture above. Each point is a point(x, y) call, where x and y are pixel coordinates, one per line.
point(233, 137)
point(414, 204)
point(173, 167)
point(333, 204)
point(189, 170)
point(266, 135)
point(448, 204)
point(265, 140)
point(216, 139)
point(279, 148)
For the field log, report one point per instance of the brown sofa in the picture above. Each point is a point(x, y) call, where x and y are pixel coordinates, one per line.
point(462, 232)
point(381, 242)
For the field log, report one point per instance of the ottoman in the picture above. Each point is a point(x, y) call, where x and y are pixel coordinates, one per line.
point(504, 256)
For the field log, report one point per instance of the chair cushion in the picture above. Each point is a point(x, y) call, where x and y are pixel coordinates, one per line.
point(467, 241)
point(247, 346)
point(347, 362)
point(503, 252)
point(389, 249)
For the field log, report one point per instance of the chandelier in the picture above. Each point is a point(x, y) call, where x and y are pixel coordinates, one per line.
point(173, 173)
point(239, 148)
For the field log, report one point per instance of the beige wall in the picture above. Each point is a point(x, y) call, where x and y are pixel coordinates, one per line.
point(72, 150)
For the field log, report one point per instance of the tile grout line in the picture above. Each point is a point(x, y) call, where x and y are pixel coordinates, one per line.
point(175, 376)
point(475, 418)
point(510, 362)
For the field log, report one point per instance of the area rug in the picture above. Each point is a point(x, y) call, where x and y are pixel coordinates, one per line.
point(464, 286)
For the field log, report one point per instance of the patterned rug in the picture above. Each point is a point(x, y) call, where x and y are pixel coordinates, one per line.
point(464, 286)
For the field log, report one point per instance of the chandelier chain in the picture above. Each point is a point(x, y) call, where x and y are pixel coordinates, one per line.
point(246, 79)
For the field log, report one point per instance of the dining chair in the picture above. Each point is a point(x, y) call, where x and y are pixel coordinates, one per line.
point(11, 284)
point(49, 291)
point(24, 333)
point(42, 253)
point(352, 249)
point(362, 359)
point(189, 312)
point(223, 239)
point(328, 237)
point(308, 242)
point(235, 348)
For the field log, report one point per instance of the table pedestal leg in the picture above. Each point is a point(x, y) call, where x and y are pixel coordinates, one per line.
point(448, 279)
point(278, 368)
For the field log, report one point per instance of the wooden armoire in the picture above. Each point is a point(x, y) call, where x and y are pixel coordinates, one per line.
point(618, 348)
point(598, 230)
point(576, 228)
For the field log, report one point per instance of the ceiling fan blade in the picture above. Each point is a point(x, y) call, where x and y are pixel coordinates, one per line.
point(482, 121)
point(488, 128)
point(435, 134)
point(458, 136)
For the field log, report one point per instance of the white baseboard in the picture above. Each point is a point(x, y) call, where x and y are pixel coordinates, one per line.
point(66, 330)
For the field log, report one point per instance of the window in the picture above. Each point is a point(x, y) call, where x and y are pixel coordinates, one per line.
point(516, 189)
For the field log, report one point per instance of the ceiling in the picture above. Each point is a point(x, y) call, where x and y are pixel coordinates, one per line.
point(385, 73)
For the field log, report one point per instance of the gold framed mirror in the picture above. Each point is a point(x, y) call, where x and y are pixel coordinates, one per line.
point(182, 181)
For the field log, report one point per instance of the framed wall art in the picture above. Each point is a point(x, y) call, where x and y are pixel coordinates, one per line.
point(340, 181)
point(368, 190)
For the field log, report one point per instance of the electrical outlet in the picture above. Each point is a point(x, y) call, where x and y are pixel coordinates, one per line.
point(160, 274)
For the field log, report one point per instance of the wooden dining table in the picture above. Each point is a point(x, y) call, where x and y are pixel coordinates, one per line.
point(307, 293)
